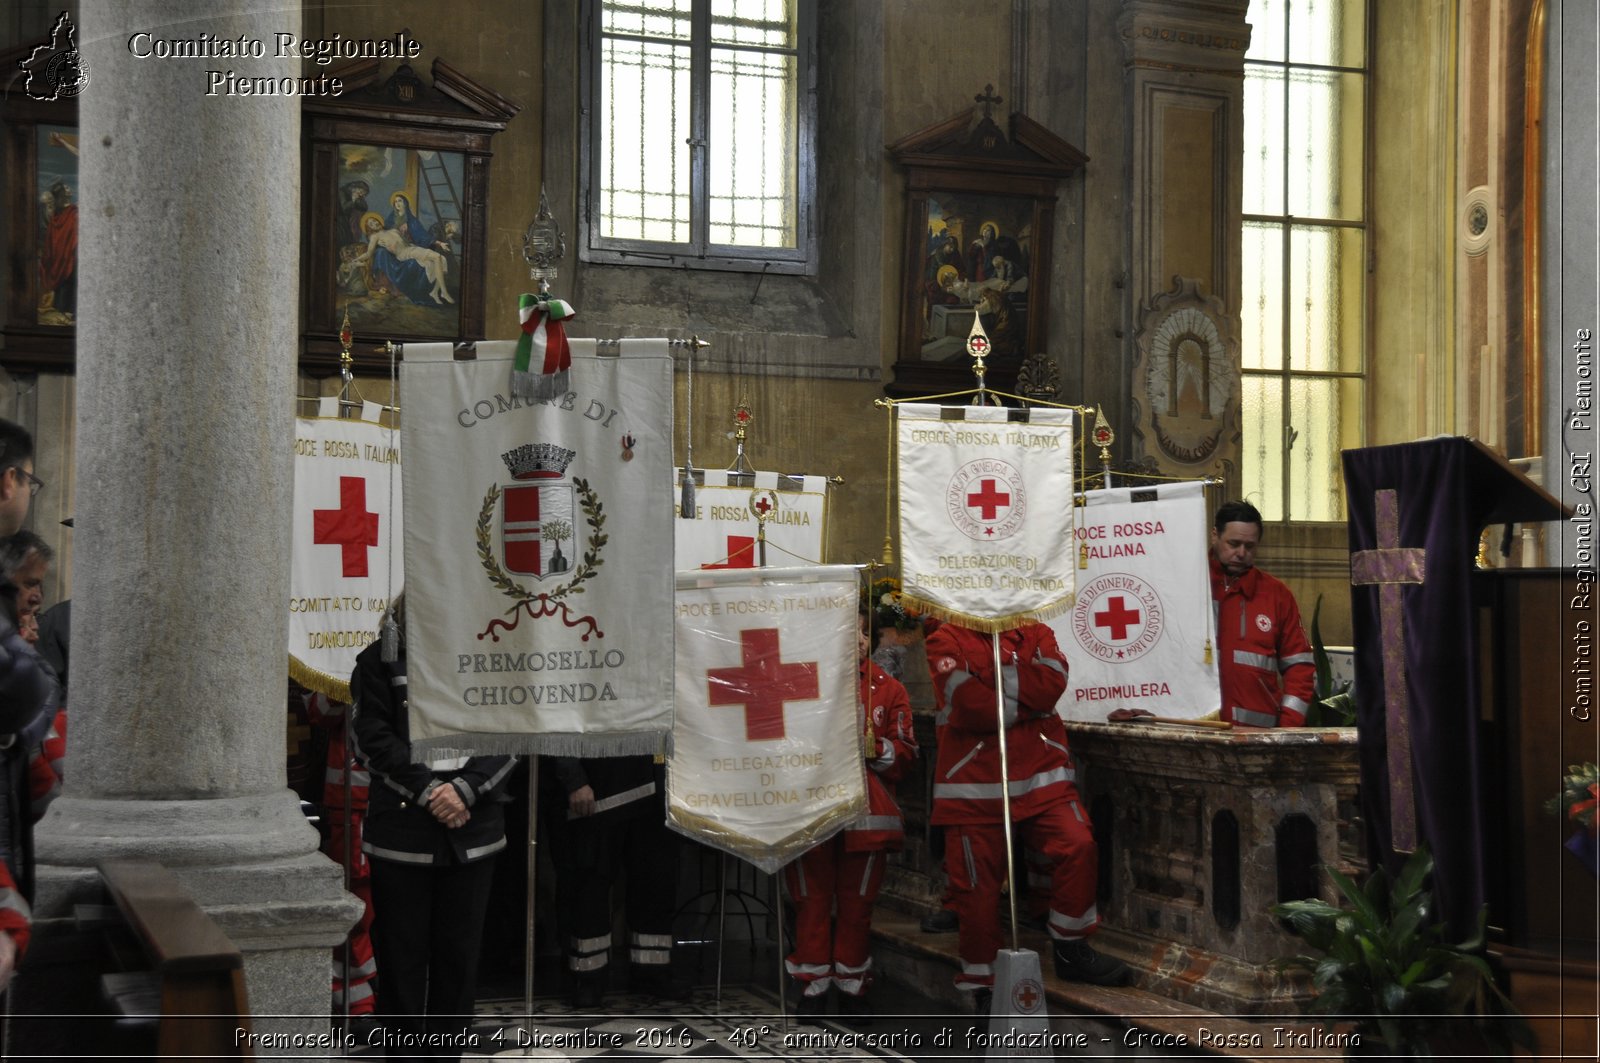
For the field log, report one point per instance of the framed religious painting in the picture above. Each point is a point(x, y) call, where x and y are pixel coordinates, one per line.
point(396, 211)
point(980, 215)
point(41, 182)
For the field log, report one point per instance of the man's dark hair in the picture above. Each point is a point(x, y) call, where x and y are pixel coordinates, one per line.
point(15, 549)
point(1238, 511)
point(16, 444)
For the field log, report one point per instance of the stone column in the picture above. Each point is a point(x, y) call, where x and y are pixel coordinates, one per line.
point(189, 263)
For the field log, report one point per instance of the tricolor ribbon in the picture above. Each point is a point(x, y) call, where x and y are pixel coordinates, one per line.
point(544, 338)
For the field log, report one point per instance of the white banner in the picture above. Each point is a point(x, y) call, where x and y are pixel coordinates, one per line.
point(986, 512)
point(725, 529)
point(767, 742)
point(1138, 633)
point(345, 558)
point(539, 571)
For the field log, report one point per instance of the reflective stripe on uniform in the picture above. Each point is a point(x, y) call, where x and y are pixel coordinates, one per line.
point(606, 804)
point(1254, 719)
point(866, 874)
point(1069, 927)
point(981, 791)
point(1286, 663)
point(1255, 660)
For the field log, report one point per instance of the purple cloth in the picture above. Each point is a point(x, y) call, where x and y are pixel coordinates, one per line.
point(1445, 491)
point(1582, 845)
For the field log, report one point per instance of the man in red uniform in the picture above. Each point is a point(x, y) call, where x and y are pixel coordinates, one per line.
point(354, 967)
point(1049, 817)
point(1267, 668)
point(844, 874)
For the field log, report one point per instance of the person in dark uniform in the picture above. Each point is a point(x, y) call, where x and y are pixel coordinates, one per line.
point(431, 829)
point(608, 826)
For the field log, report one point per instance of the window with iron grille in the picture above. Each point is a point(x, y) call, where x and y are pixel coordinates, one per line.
point(698, 133)
point(1303, 280)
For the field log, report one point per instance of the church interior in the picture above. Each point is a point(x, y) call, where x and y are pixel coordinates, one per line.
point(1245, 238)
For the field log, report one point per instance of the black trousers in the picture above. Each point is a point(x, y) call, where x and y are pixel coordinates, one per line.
point(427, 927)
point(591, 859)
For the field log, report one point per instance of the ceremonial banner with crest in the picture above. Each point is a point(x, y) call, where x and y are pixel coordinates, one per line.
point(345, 557)
point(725, 529)
point(767, 742)
point(986, 512)
point(1138, 633)
point(539, 568)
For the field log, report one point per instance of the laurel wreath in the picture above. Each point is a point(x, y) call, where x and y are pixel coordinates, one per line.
point(594, 516)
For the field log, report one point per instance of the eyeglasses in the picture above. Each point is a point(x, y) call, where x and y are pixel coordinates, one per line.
point(34, 483)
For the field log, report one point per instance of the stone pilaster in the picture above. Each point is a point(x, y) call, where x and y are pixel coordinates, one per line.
point(189, 266)
point(1183, 63)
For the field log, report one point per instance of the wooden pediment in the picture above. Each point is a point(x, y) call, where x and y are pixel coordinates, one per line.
point(973, 140)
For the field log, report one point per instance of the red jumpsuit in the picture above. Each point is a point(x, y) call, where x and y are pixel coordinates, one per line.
point(1045, 808)
point(16, 918)
point(358, 975)
point(844, 873)
point(1267, 667)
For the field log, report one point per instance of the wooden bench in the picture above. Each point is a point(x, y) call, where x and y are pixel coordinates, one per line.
point(196, 985)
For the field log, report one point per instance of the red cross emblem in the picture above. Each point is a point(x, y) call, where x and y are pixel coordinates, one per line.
point(761, 684)
point(1116, 617)
point(741, 553)
point(988, 499)
point(1026, 996)
point(350, 527)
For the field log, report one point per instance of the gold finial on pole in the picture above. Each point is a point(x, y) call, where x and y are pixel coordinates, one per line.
point(979, 348)
point(1102, 436)
point(742, 420)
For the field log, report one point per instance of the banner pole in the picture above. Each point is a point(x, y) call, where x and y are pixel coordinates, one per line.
point(1005, 783)
point(722, 916)
point(533, 873)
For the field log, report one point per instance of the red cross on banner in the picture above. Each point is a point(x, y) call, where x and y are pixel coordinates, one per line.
point(350, 527)
point(741, 553)
point(762, 683)
point(988, 499)
point(1116, 617)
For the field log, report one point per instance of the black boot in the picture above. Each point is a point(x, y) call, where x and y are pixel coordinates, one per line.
point(658, 981)
point(1077, 962)
point(588, 991)
point(982, 1002)
point(856, 1008)
point(944, 921)
point(810, 1007)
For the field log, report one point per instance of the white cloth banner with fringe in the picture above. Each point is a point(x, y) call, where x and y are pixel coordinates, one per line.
point(345, 557)
point(986, 512)
point(538, 564)
point(1138, 634)
point(724, 531)
point(767, 742)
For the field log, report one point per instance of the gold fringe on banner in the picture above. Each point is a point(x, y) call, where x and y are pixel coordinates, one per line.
point(989, 625)
point(318, 681)
point(767, 857)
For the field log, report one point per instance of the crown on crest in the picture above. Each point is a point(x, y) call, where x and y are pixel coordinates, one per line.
point(538, 461)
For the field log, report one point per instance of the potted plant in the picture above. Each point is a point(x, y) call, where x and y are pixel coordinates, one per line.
point(1333, 704)
point(1385, 965)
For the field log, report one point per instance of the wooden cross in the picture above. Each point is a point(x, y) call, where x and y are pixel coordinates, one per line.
point(1391, 567)
point(988, 99)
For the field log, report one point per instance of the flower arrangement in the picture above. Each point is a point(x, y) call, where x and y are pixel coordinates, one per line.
point(889, 608)
point(1578, 801)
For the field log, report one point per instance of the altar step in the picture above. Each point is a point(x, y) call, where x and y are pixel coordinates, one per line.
point(1121, 1021)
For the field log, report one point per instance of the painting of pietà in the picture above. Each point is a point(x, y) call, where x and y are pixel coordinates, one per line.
point(398, 230)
